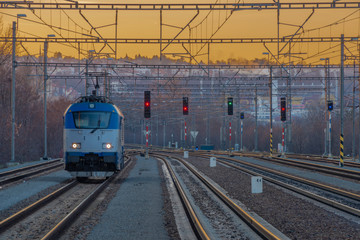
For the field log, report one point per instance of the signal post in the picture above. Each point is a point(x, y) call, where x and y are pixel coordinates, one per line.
point(330, 108)
point(230, 113)
point(242, 127)
point(185, 112)
point(147, 115)
point(283, 119)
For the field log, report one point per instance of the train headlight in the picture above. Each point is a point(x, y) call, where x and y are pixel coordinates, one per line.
point(76, 145)
point(107, 145)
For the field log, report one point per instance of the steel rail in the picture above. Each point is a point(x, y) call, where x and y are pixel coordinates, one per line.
point(28, 174)
point(2, 174)
point(68, 219)
point(316, 197)
point(322, 159)
point(253, 223)
point(15, 218)
point(65, 222)
point(348, 173)
point(199, 229)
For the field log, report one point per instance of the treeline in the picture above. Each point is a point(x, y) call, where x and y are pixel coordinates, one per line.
point(29, 113)
point(29, 118)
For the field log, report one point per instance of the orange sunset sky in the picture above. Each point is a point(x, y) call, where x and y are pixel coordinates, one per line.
point(146, 24)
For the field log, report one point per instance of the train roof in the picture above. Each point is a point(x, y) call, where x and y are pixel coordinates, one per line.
point(100, 103)
point(93, 98)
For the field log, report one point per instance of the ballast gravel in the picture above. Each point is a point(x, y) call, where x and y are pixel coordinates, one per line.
point(296, 217)
point(28, 188)
point(136, 212)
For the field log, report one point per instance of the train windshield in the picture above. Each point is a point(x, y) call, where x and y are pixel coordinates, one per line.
point(93, 120)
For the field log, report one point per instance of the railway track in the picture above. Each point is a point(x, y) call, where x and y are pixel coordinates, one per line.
point(346, 201)
point(29, 171)
point(201, 231)
point(336, 171)
point(322, 159)
point(293, 156)
point(58, 209)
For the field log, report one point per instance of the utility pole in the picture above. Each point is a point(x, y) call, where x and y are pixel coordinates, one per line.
point(289, 122)
point(256, 121)
point(326, 99)
point(86, 77)
point(13, 85)
point(157, 130)
point(359, 100)
point(329, 112)
point(241, 131)
point(271, 117)
point(161, 35)
point(353, 118)
point(45, 100)
point(341, 163)
point(164, 133)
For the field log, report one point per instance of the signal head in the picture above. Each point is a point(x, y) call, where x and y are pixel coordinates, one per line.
point(185, 106)
point(283, 109)
point(147, 112)
point(230, 106)
point(330, 105)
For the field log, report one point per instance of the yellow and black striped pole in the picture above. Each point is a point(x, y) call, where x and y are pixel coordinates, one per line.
point(342, 80)
point(341, 163)
point(271, 141)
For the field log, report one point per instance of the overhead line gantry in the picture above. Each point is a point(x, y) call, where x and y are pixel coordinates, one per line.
point(171, 6)
point(178, 40)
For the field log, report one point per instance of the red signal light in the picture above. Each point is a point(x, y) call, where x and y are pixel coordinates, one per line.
point(283, 109)
point(185, 106)
point(147, 112)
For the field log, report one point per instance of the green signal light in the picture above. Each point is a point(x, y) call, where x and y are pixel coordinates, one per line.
point(230, 103)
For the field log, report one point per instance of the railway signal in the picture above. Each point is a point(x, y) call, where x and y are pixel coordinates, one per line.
point(330, 105)
point(185, 106)
point(283, 109)
point(242, 115)
point(230, 106)
point(147, 112)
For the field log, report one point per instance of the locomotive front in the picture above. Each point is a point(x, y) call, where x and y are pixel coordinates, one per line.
point(93, 138)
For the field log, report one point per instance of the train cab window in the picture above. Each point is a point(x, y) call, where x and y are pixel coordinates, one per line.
point(92, 120)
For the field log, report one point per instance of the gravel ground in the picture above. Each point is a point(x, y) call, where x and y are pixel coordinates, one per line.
point(349, 185)
point(84, 225)
point(168, 208)
point(333, 196)
point(136, 212)
point(295, 217)
point(218, 220)
point(17, 193)
point(92, 215)
point(39, 223)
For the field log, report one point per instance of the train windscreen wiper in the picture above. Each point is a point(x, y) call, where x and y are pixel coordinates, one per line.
point(94, 130)
point(96, 127)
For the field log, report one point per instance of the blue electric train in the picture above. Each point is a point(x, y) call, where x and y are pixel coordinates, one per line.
point(93, 138)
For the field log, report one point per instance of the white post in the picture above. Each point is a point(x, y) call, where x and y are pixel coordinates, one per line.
point(13, 94)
